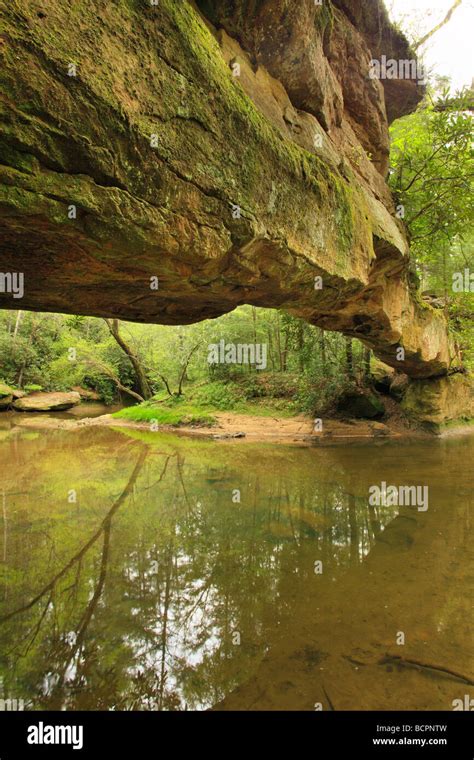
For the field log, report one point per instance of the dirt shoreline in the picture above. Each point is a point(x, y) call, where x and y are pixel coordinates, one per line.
point(232, 427)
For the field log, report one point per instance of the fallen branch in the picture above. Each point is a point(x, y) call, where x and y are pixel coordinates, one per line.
point(331, 706)
point(411, 662)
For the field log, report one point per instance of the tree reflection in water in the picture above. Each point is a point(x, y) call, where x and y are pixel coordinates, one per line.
point(155, 590)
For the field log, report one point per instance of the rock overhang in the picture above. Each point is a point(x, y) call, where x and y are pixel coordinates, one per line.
point(155, 161)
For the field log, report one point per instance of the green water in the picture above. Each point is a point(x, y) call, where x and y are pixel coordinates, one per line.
point(133, 577)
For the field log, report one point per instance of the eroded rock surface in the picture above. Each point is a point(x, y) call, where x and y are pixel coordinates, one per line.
point(47, 402)
point(440, 400)
point(129, 150)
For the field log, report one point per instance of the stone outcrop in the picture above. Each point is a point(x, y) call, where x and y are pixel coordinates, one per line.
point(382, 375)
point(47, 402)
point(6, 396)
point(141, 178)
point(86, 393)
point(399, 386)
point(441, 400)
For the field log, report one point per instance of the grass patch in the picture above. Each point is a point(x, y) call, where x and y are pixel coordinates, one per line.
point(256, 396)
point(179, 414)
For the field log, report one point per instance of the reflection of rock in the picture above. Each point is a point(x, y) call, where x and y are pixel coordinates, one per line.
point(355, 403)
point(47, 402)
point(6, 395)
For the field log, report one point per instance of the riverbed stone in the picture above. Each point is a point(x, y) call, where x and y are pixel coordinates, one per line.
point(47, 402)
point(86, 393)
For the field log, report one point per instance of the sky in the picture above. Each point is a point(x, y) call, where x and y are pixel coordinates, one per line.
point(451, 50)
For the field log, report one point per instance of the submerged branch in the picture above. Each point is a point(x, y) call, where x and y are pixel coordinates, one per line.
point(412, 662)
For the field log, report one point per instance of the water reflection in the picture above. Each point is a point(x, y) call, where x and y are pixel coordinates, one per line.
point(145, 571)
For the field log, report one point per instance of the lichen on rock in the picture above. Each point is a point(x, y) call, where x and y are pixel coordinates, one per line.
point(154, 160)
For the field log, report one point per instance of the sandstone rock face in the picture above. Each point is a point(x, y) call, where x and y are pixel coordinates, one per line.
point(399, 386)
point(401, 95)
point(141, 178)
point(47, 402)
point(440, 400)
point(382, 375)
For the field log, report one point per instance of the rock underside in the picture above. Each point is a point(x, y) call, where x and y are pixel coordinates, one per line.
point(168, 163)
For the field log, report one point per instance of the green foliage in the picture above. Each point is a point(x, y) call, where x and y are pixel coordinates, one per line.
point(179, 414)
point(305, 366)
point(432, 173)
point(432, 178)
point(221, 396)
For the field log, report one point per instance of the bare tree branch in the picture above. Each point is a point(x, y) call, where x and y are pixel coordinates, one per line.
point(107, 371)
point(439, 26)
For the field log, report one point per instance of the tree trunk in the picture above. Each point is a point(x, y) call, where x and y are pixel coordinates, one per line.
point(301, 345)
point(278, 341)
point(367, 354)
point(185, 369)
point(349, 358)
point(17, 324)
point(140, 374)
point(323, 349)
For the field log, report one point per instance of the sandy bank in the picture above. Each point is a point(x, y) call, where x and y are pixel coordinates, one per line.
point(231, 427)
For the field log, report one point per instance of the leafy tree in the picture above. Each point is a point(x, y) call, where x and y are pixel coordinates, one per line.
point(432, 181)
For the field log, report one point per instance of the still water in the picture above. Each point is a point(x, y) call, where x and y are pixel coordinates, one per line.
point(154, 572)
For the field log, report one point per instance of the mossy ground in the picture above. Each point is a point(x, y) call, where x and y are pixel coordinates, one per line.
point(200, 403)
point(184, 414)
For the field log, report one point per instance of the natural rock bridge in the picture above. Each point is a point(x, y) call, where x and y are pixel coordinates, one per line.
point(235, 150)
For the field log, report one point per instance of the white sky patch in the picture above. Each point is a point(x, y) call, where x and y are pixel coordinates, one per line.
point(450, 51)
